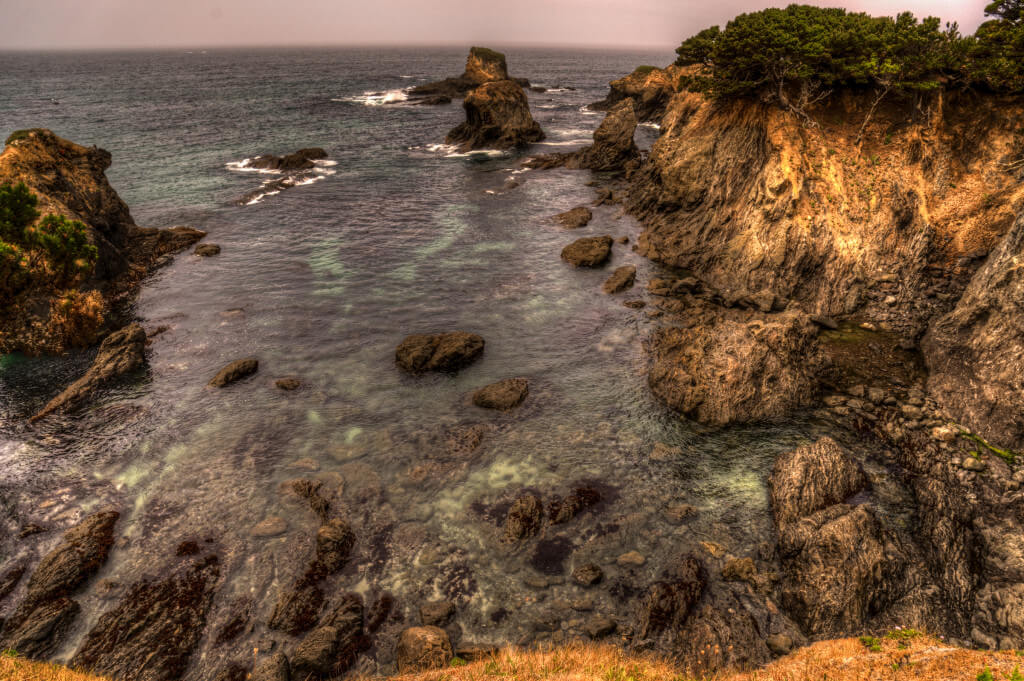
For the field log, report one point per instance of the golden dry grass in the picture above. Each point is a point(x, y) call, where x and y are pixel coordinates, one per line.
point(20, 669)
point(919, 658)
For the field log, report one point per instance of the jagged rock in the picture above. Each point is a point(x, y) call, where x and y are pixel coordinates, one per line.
point(580, 216)
point(272, 668)
point(650, 89)
point(591, 251)
point(207, 250)
point(497, 117)
point(9, 581)
point(151, 634)
point(422, 649)
point(298, 607)
point(482, 65)
point(120, 353)
point(334, 542)
point(668, 603)
point(235, 371)
point(975, 354)
point(622, 279)
point(503, 395)
point(733, 372)
point(447, 352)
point(524, 518)
point(39, 623)
point(299, 160)
point(314, 656)
point(613, 147)
point(810, 478)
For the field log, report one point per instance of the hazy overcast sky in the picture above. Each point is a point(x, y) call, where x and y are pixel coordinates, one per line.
point(43, 24)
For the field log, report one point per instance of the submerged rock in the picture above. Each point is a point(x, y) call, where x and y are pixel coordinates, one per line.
point(503, 395)
point(497, 117)
point(207, 250)
point(524, 518)
point(621, 280)
point(591, 251)
point(580, 216)
point(314, 656)
point(288, 383)
point(120, 353)
point(447, 352)
point(151, 633)
point(421, 649)
point(668, 603)
point(299, 160)
point(272, 668)
point(235, 371)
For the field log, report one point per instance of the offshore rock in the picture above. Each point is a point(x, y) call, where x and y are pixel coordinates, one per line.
point(613, 148)
point(447, 352)
point(482, 66)
point(299, 160)
point(591, 251)
point(975, 353)
point(497, 117)
point(728, 371)
point(621, 280)
point(235, 371)
point(122, 352)
point(503, 395)
point(151, 634)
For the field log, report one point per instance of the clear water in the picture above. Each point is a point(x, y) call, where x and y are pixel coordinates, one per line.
point(321, 282)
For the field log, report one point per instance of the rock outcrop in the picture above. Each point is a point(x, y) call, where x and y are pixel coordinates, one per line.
point(729, 371)
point(40, 622)
point(483, 65)
point(497, 117)
point(648, 87)
point(975, 354)
point(121, 353)
point(446, 352)
point(422, 649)
point(303, 159)
point(613, 148)
point(69, 180)
point(151, 634)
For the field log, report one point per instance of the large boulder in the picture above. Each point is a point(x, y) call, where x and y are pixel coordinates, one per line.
point(810, 478)
point(235, 371)
point(975, 353)
point(730, 371)
point(421, 649)
point(121, 352)
point(590, 251)
point(613, 147)
point(446, 352)
point(151, 634)
point(497, 117)
point(668, 603)
point(39, 623)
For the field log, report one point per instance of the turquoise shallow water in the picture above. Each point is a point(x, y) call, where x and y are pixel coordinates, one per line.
point(321, 282)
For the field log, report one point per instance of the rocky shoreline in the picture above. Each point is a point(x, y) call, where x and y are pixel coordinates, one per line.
point(890, 314)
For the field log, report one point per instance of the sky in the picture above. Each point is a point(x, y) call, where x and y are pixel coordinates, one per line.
point(111, 24)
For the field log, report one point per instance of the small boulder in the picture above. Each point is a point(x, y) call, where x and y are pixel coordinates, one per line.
point(587, 575)
point(446, 352)
point(207, 250)
point(314, 656)
point(631, 559)
point(592, 251)
point(503, 395)
point(436, 613)
point(288, 383)
point(272, 668)
point(235, 371)
point(524, 518)
point(578, 217)
point(779, 644)
point(421, 649)
point(601, 626)
point(621, 280)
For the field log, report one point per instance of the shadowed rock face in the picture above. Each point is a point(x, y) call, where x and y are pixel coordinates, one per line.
point(976, 352)
point(39, 623)
point(122, 352)
point(613, 148)
point(151, 634)
point(497, 117)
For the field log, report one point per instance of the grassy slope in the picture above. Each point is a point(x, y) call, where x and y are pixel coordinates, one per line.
point(920, 658)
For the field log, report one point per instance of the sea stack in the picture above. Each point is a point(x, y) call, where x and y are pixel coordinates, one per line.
point(497, 117)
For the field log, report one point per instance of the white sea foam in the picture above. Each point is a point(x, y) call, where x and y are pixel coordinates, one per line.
point(566, 143)
point(588, 112)
point(378, 97)
point(649, 124)
point(244, 167)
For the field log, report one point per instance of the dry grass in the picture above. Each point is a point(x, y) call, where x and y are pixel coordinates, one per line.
point(18, 669)
point(914, 658)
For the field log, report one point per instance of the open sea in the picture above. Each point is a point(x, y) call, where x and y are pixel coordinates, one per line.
point(395, 234)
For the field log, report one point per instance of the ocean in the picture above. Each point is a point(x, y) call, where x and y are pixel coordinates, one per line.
point(395, 234)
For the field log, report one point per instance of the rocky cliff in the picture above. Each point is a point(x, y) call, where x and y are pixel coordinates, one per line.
point(497, 117)
point(69, 180)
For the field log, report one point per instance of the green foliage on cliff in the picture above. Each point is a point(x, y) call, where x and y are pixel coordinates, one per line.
point(53, 252)
point(803, 52)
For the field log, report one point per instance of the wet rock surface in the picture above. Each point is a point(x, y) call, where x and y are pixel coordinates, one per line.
point(422, 649)
point(591, 251)
point(578, 217)
point(121, 353)
point(503, 395)
point(235, 371)
point(446, 352)
point(299, 160)
point(621, 280)
point(151, 633)
point(207, 250)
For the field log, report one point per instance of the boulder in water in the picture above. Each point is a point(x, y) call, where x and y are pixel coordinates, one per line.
point(303, 159)
point(580, 216)
point(235, 371)
point(621, 279)
point(446, 352)
point(422, 649)
point(207, 250)
point(591, 251)
point(503, 395)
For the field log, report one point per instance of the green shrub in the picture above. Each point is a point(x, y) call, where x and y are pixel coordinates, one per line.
point(17, 211)
point(66, 246)
point(645, 69)
point(871, 643)
point(986, 675)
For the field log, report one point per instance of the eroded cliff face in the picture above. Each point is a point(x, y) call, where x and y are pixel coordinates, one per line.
point(69, 180)
point(749, 198)
point(651, 90)
point(497, 117)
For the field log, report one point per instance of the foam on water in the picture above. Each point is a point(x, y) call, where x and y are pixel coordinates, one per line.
point(378, 97)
